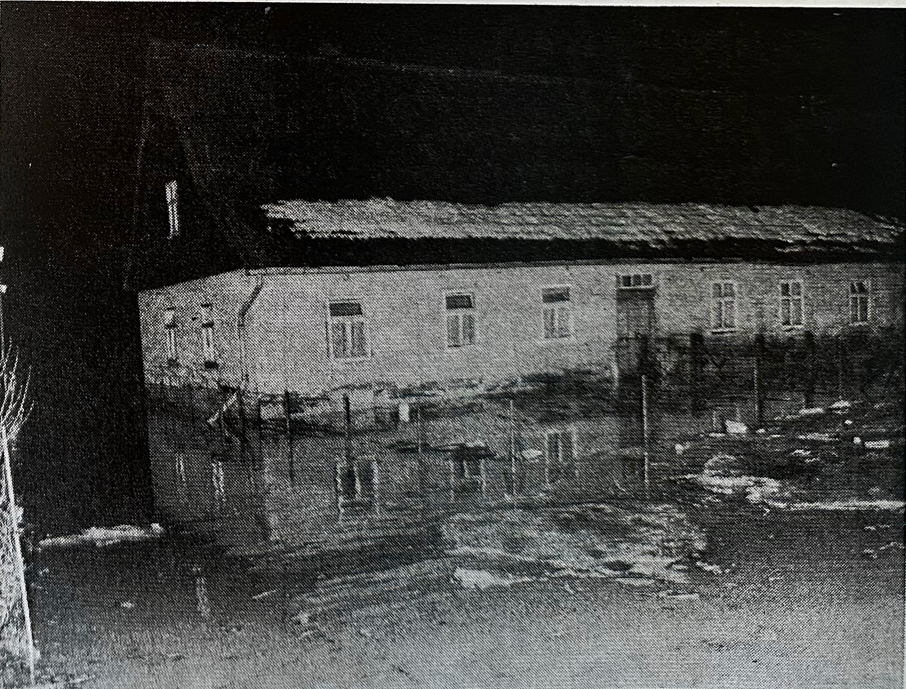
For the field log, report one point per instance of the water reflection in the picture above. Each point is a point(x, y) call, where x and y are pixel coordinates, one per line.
point(388, 488)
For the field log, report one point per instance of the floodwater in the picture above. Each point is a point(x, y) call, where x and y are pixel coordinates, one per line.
point(272, 540)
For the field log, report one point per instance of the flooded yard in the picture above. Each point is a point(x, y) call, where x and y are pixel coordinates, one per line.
point(532, 540)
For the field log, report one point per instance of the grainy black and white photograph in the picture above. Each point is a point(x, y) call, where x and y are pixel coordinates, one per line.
point(451, 347)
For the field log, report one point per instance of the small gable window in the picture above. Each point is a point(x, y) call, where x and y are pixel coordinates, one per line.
point(173, 208)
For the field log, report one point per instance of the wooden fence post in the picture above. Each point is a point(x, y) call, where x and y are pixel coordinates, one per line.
point(810, 367)
point(18, 560)
point(646, 427)
point(696, 369)
point(511, 436)
point(841, 366)
point(289, 436)
point(757, 380)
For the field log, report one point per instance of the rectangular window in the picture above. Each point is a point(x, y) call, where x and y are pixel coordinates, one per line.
point(557, 312)
point(170, 330)
point(859, 292)
point(173, 208)
point(460, 308)
point(791, 303)
point(347, 330)
point(723, 306)
point(207, 336)
point(635, 281)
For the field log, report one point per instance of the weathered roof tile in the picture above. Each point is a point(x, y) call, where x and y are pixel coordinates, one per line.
point(619, 223)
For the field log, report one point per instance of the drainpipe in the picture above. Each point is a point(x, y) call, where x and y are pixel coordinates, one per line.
point(240, 327)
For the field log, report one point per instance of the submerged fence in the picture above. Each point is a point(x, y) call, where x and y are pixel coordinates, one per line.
point(696, 368)
point(691, 371)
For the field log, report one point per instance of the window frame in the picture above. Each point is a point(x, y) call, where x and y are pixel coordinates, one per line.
point(642, 284)
point(171, 324)
point(791, 298)
point(347, 322)
point(457, 313)
point(856, 297)
point(555, 307)
point(713, 301)
point(206, 328)
point(171, 190)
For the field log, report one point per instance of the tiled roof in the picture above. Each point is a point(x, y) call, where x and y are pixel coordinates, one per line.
point(623, 224)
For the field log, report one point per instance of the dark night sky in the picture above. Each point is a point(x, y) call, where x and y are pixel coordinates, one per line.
point(71, 79)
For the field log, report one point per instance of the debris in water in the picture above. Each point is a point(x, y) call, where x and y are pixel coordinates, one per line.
point(852, 504)
point(302, 618)
point(636, 581)
point(708, 567)
point(892, 544)
point(736, 427)
point(482, 579)
point(877, 444)
point(680, 448)
point(105, 535)
point(678, 595)
point(820, 437)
